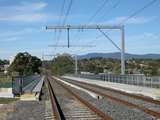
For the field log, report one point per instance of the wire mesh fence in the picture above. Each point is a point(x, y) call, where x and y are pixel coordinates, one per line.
point(5, 81)
point(22, 84)
point(138, 80)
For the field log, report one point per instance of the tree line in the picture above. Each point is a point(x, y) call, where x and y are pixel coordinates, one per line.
point(65, 64)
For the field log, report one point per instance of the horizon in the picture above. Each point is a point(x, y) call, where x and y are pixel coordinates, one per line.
point(49, 58)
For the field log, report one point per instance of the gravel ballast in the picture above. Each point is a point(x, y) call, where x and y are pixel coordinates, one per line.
point(139, 102)
point(115, 110)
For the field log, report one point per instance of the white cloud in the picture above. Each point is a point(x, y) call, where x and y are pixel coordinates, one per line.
point(20, 32)
point(145, 36)
point(31, 6)
point(143, 43)
point(134, 20)
point(24, 7)
point(31, 17)
point(10, 39)
point(25, 12)
point(11, 36)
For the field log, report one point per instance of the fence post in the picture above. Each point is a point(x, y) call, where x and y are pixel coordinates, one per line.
point(159, 81)
point(20, 86)
point(151, 83)
point(12, 84)
point(144, 81)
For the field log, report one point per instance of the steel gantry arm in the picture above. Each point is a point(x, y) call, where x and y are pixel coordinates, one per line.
point(85, 27)
point(99, 27)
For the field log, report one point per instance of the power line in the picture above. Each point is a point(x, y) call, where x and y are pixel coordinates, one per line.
point(61, 11)
point(110, 9)
point(67, 13)
point(138, 11)
point(65, 18)
point(135, 13)
point(113, 7)
point(60, 17)
point(98, 10)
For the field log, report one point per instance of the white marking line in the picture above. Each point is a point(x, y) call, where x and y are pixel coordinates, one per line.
point(92, 94)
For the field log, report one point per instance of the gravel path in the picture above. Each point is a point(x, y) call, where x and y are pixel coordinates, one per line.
point(30, 110)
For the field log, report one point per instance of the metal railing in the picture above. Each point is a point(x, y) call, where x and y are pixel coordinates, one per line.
point(138, 80)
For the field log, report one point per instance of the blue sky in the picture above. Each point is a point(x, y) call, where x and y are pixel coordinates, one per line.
point(23, 25)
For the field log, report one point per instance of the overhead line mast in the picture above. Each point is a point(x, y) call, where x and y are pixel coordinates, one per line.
point(98, 27)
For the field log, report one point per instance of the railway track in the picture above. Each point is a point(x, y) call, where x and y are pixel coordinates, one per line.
point(117, 96)
point(66, 104)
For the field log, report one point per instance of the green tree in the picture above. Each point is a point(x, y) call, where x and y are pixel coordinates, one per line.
point(3, 62)
point(25, 64)
point(62, 65)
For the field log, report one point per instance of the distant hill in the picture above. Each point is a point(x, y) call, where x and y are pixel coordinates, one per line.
point(118, 54)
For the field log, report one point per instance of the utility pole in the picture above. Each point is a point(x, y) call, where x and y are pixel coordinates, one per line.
point(99, 27)
point(122, 51)
point(76, 65)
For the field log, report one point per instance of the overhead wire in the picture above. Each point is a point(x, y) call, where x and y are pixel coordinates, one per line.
point(59, 22)
point(134, 13)
point(98, 10)
point(110, 9)
point(64, 19)
point(138, 11)
point(67, 13)
point(96, 13)
point(129, 17)
point(61, 11)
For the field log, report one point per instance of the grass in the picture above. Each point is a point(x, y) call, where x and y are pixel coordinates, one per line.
point(7, 100)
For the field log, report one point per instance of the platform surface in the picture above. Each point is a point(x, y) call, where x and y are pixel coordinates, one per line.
point(6, 95)
point(145, 91)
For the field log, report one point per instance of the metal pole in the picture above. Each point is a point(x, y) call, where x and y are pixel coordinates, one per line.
point(76, 65)
point(42, 60)
point(68, 36)
point(122, 51)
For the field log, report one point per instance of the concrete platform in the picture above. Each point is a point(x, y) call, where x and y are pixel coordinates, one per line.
point(6, 93)
point(145, 91)
point(28, 97)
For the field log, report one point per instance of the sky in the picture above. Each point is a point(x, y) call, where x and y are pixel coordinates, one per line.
point(23, 23)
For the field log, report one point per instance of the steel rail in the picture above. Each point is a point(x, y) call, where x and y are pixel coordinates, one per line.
point(55, 107)
point(85, 102)
point(147, 99)
point(129, 104)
